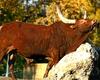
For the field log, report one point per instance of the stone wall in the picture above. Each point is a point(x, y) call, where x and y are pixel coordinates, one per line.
point(78, 65)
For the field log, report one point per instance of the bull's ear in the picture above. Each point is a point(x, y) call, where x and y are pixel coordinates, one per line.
point(1, 27)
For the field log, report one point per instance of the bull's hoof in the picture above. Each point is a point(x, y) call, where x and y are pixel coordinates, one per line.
point(45, 75)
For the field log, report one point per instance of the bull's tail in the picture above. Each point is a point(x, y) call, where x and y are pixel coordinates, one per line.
point(7, 66)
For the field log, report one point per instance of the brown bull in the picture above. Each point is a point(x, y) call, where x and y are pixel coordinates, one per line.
point(52, 41)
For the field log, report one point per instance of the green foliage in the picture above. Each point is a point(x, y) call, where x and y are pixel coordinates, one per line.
point(5, 16)
point(18, 66)
point(12, 10)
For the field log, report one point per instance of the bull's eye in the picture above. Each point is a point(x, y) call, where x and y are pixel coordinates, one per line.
point(83, 21)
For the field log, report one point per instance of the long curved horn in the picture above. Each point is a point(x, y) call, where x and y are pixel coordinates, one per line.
point(85, 15)
point(63, 19)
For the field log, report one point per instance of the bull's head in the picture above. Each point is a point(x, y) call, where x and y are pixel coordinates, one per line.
point(83, 25)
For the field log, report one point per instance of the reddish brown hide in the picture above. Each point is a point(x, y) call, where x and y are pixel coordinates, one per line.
point(52, 41)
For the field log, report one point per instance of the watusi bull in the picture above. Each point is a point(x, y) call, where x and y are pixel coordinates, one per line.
point(52, 41)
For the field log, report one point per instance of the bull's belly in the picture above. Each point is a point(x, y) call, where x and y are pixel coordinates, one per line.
point(31, 51)
point(36, 57)
point(31, 55)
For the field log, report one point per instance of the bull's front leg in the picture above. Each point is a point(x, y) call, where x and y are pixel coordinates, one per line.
point(53, 59)
point(28, 70)
point(50, 64)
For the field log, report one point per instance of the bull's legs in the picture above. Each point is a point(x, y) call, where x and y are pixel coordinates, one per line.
point(11, 66)
point(50, 64)
point(12, 53)
point(12, 72)
point(52, 61)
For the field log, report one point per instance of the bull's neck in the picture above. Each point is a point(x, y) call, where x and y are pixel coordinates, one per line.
point(77, 42)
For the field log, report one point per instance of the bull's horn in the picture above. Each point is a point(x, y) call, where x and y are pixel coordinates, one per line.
point(85, 15)
point(63, 19)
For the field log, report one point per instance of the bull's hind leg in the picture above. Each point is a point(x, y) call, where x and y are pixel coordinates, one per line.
point(11, 64)
point(53, 59)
